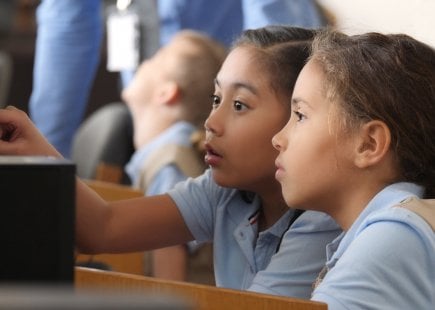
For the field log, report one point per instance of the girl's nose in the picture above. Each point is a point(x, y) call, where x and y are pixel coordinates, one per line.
point(207, 125)
point(276, 141)
point(212, 124)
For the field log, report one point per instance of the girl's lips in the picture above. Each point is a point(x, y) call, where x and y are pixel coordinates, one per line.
point(212, 158)
point(279, 171)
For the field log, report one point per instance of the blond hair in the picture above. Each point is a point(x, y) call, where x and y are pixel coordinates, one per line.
point(196, 68)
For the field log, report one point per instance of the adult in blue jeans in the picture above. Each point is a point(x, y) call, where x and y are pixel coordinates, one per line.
point(69, 37)
point(67, 51)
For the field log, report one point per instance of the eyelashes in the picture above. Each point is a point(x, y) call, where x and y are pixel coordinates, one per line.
point(215, 101)
point(237, 104)
point(299, 116)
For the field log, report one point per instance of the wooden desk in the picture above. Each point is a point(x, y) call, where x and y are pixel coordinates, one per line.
point(202, 296)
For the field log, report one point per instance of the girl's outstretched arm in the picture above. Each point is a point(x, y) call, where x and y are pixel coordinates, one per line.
point(130, 225)
point(136, 224)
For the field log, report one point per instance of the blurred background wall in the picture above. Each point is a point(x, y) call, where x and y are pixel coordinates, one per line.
point(413, 17)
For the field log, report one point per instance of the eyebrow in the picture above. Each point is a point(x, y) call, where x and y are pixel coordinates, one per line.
point(237, 85)
point(296, 101)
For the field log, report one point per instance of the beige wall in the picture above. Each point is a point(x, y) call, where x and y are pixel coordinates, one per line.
point(413, 17)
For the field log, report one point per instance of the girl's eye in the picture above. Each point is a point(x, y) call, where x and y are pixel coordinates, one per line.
point(299, 116)
point(215, 101)
point(239, 106)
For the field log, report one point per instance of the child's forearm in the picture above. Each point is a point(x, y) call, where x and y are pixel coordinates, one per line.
point(91, 214)
point(129, 225)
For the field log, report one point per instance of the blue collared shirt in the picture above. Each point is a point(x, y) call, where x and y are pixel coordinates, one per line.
point(243, 257)
point(169, 175)
point(386, 260)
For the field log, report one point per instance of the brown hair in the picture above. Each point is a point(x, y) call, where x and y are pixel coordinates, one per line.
point(281, 52)
point(389, 78)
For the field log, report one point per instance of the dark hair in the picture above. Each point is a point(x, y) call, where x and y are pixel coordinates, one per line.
point(281, 52)
point(389, 78)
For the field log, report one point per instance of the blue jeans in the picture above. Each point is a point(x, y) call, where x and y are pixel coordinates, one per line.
point(67, 53)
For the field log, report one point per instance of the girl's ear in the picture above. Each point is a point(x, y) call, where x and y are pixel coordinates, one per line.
point(374, 140)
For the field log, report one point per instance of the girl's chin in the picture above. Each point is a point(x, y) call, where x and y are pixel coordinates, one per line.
point(222, 179)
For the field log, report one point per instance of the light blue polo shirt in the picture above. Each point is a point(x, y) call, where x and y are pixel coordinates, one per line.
point(385, 261)
point(245, 259)
point(169, 175)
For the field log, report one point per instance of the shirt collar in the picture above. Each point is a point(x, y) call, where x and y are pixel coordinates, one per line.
point(178, 133)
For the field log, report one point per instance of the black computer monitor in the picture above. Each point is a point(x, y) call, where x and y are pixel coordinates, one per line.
point(37, 212)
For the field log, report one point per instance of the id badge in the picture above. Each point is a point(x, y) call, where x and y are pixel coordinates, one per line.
point(123, 37)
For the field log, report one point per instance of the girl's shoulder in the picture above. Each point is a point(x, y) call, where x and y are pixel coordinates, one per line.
point(424, 208)
point(204, 191)
point(412, 216)
point(414, 212)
